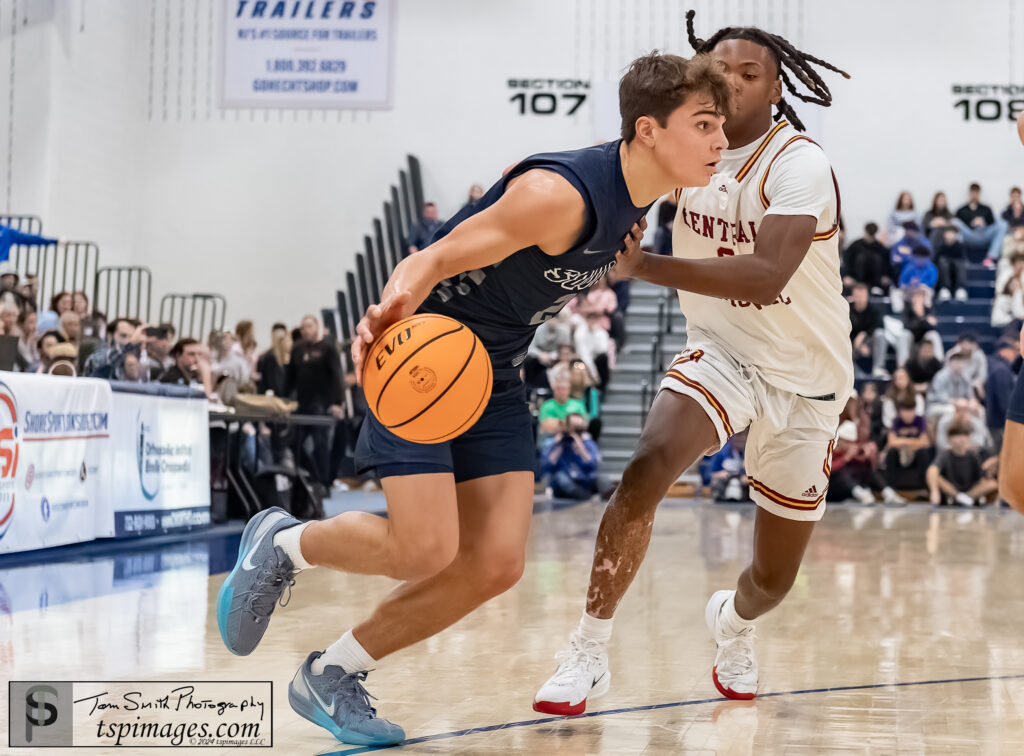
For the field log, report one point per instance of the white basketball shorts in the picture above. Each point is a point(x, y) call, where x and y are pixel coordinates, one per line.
point(789, 447)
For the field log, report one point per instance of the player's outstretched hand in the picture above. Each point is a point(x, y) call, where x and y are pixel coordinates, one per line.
point(378, 318)
point(628, 260)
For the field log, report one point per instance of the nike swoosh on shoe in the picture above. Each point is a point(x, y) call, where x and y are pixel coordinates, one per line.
point(268, 523)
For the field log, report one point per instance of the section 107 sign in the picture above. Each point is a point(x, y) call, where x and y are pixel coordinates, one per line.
point(307, 54)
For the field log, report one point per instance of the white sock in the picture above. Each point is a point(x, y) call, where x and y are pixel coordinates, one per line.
point(347, 653)
point(733, 623)
point(288, 540)
point(595, 629)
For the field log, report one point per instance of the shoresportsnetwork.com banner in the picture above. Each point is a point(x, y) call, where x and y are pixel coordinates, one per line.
point(139, 714)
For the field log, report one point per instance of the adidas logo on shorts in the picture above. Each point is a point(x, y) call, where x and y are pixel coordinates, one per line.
point(812, 491)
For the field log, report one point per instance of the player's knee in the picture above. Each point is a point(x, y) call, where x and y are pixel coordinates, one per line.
point(430, 554)
point(650, 464)
point(773, 583)
point(497, 571)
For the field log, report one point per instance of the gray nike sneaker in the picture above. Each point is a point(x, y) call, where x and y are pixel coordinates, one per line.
point(261, 574)
point(338, 702)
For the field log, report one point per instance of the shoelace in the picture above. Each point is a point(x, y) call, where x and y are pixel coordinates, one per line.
point(737, 654)
point(267, 589)
point(578, 655)
point(348, 687)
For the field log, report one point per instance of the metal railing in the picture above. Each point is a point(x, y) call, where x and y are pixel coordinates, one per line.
point(56, 269)
point(178, 309)
point(123, 291)
point(28, 224)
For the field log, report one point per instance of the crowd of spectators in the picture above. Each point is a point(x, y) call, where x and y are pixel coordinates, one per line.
point(933, 428)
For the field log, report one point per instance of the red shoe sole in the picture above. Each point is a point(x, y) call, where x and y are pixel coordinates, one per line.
point(729, 693)
point(560, 708)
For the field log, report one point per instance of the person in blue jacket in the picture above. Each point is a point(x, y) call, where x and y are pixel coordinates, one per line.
point(919, 270)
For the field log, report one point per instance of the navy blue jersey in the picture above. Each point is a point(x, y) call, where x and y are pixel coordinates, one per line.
point(504, 303)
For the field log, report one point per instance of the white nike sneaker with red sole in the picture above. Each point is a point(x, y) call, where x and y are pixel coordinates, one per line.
point(735, 670)
point(582, 674)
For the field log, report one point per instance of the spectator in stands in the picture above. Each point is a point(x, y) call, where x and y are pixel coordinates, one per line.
point(923, 366)
point(8, 276)
point(854, 465)
point(1013, 215)
point(570, 459)
point(28, 341)
point(133, 370)
point(125, 335)
point(423, 231)
point(938, 217)
point(272, 363)
point(900, 391)
point(977, 363)
point(71, 328)
point(47, 342)
point(869, 344)
point(63, 359)
point(907, 458)
point(476, 191)
point(245, 345)
point(555, 410)
point(62, 302)
point(600, 300)
point(949, 384)
point(185, 370)
point(11, 236)
point(594, 346)
point(663, 236)
point(957, 475)
point(1008, 306)
point(918, 326)
point(919, 273)
point(1013, 269)
point(969, 415)
point(728, 472)
point(869, 416)
point(229, 361)
point(866, 261)
point(951, 255)
point(981, 230)
point(313, 373)
point(543, 350)
point(902, 214)
point(156, 357)
point(9, 320)
point(998, 388)
point(30, 287)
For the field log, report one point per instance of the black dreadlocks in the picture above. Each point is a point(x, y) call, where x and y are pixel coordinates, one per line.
point(785, 55)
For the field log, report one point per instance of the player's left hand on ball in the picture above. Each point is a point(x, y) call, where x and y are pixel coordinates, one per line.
point(628, 260)
point(378, 318)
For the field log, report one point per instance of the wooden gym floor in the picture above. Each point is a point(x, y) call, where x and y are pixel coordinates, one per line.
point(902, 635)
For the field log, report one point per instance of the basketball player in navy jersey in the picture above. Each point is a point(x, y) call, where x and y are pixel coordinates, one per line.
point(459, 511)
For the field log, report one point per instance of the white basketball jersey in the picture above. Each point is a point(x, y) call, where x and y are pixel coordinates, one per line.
point(801, 342)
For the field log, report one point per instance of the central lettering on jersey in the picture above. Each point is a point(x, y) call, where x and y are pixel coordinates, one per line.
point(576, 280)
point(778, 300)
point(719, 228)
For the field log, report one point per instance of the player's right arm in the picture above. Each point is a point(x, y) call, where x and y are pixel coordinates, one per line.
point(1011, 461)
point(537, 208)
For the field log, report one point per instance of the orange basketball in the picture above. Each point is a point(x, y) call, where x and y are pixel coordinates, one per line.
point(427, 378)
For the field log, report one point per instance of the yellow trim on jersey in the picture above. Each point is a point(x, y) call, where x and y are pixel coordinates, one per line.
point(760, 149)
point(764, 180)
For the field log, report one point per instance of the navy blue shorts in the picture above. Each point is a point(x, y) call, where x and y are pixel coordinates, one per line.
point(500, 441)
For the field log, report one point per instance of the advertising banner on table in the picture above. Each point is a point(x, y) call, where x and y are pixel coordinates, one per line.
point(161, 464)
point(54, 461)
point(307, 54)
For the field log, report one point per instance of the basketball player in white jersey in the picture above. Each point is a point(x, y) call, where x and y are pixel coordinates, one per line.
point(756, 260)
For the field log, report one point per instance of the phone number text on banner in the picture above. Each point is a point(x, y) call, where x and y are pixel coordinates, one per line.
point(307, 54)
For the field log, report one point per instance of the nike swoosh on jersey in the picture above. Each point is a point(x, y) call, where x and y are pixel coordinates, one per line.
point(261, 533)
point(593, 251)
